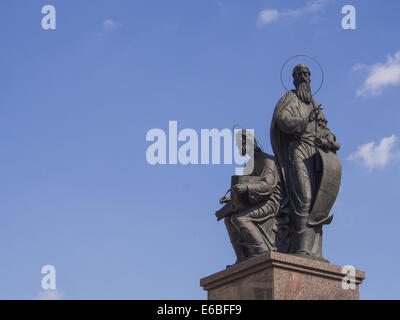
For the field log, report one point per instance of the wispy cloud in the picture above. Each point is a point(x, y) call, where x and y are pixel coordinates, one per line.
point(50, 294)
point(269, 16)
point(374, 156)
point(110, 24)
point(380, 75)
point(310, 7)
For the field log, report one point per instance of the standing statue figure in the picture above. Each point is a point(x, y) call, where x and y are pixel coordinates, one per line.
point(256, 198)
point(310, 169)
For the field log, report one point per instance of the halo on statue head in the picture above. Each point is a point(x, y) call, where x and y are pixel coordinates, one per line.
point(313, 59)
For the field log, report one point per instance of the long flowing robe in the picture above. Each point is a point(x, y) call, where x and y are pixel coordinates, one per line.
point(255, 228)
point(293, 141)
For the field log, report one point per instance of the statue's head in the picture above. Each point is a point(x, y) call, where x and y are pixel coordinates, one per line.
point(245, 141)
point(301, 80)
point(301, 73)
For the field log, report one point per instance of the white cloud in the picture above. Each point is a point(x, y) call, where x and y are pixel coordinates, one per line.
point(267, 16)
point(374, 156)
point(50, 294)
point(310, 7)
point(380, 75)
point(110, 24)
point(272, 15)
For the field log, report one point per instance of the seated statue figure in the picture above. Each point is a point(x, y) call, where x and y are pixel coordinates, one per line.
point(253, 215)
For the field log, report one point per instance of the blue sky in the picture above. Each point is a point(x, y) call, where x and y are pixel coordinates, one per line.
point(76, 103)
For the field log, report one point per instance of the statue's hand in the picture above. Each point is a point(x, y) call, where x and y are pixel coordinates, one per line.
point(327, 144)
point(322, 121)
point(317, 114)
point(322, 144)
point(240, 188)
point(224, 200)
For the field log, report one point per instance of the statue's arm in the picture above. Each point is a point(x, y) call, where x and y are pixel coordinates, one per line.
point(326, 139)
point(290, 123)
point(265, 187)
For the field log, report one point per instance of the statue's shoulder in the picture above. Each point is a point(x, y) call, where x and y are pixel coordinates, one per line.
point(285, 100)
point(287, 97)
point(269, 161)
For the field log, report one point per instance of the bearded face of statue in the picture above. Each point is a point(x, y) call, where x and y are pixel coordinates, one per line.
point(301, 76)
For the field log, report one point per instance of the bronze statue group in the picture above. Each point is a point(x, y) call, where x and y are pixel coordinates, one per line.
point(283, 201)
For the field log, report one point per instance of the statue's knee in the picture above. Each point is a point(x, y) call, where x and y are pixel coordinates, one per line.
point(304, 207)
point(307, 200)
point(242, 220)
point(232, 219)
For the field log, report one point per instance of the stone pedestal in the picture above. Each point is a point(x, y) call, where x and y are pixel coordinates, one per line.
point(278, 276)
